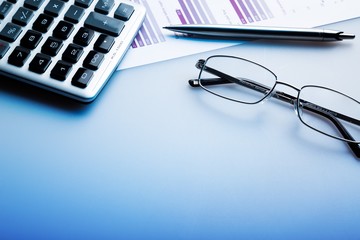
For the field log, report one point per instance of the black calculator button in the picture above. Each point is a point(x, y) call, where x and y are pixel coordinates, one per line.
point(104, 6)
point(33, 4)
point(63, 30)
point(84, 36)
point(52, 46)
point(104, 24)
point(74, 14)
point(4, 47)
point(22, 16)
point(83, 3)
point(19, 56)
point(104, 43)
point(124, 12)
point(82, 78)
point(5, 8)
point(31, 39)
point(61, 70)
point(72, 53)
point(40, 63)
point(10, 32)
point(43, 23)
point(93, 60)
point(54, 7)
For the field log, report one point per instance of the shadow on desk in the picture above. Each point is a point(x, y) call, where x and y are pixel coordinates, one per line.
point(43, 97)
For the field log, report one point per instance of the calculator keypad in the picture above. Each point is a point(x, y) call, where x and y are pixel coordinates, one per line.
point(67, 46)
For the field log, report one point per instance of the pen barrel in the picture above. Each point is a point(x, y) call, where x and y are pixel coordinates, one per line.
point(281, 34)
point(257, 32)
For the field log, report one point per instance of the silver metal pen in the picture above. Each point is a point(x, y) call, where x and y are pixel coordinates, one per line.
point(259, 32)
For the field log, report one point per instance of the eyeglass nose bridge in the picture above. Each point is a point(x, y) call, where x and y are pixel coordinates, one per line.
point(285, 97)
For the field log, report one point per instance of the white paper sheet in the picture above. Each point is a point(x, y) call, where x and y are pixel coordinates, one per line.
point(154, 44)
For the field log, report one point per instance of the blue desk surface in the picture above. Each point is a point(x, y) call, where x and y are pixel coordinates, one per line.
point(152, 158)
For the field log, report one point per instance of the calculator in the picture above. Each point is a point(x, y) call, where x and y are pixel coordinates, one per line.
point(70, 47)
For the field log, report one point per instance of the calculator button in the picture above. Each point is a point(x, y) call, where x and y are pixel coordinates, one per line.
point(84, 36)
point(83, 3)
point(33, 4)
point(4, 47)
point(104, 43)
point(54, 7)
point(10, 32)
point(22, 16)
point(104, 6)
point(72, 53)
point(5, 8)
point(104, 24)
point(124, 12)
point(63, 30)
point(74, 14)
point(52, 46)
point(43, 23)
point(40, 63)
point(31, 39)
point(19, 56)
point(93, 60)
point(82, 78)
point(61, 70)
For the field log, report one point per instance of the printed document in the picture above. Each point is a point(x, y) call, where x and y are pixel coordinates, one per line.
point(153, 43)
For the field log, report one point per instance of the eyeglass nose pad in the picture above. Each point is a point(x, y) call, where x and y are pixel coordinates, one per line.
point(298, 108)
point(268, 96)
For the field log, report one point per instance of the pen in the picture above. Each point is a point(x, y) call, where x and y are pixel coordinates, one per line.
point(259, 32)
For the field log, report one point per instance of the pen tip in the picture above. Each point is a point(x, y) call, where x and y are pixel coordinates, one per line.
point(344, 36)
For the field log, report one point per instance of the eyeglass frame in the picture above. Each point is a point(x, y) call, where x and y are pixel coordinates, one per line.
point(271, 92)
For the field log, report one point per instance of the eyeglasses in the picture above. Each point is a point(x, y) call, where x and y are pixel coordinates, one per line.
point(322, 109)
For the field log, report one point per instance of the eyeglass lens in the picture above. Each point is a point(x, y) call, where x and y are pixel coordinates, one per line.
point(326, 105)
point(241, 72)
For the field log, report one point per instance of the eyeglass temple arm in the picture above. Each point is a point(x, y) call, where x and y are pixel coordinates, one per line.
point(226, 79)
point(353, 146)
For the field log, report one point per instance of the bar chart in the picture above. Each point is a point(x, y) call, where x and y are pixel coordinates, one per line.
point(198, 12)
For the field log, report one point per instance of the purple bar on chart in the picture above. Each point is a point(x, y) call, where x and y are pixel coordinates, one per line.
point(208, 11)
point(247, 14)
point(238, 12)
point(267, 9)
point(201, 12)
point(181, 16)
point(139, 40)
point(145, 35)
point(252, 10)
point(147, 25)
point(193, 12)
point(186, 12)
point(134, 45)
point(152, 21)
point(260, 10)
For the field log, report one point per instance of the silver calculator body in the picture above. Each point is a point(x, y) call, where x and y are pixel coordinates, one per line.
point(73, 55)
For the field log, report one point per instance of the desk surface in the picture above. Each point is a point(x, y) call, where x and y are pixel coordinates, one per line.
point(152, 158)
